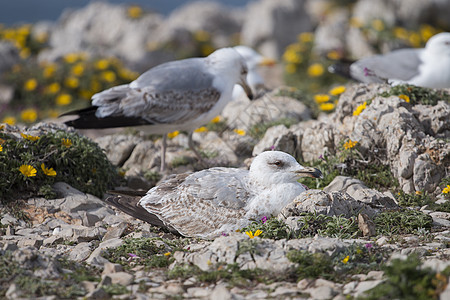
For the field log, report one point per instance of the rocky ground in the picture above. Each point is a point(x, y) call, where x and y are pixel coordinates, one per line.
point(357, 229)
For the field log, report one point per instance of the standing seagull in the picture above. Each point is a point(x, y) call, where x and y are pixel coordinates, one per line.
point(425, 67)
point(219, 200)
point(178, 95)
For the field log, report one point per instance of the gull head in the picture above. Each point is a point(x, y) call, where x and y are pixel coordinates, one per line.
point(276, 167)
point(232, 66)
point(439, 44)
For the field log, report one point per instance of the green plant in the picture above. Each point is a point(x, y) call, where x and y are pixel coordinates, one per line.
point(31, 164)
point(417, 199)
point(115, 289)
point(311, 224)
point(271, 228)
point(401, 222)
point(418, 95)
point(407, 279)
point(311, 265)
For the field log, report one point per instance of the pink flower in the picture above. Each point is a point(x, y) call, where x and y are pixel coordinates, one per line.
point(264, 219)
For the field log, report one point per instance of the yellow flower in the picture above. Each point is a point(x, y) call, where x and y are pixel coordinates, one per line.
point(86, 94)
point(360, 108)
point(201, 129)
point(101, 64)
point(415, 40)
point(70, 58)
point(72, 82)
point(41, 37)
point(30, 84)
point(426, 31)
point(127, 74)
point(9, 120)
point(29, 115)
point(334, 55)
point(350, 144)
point(315, 70)
point(167, 254)
point(63, 99)
point(48, 171)
point(291, 56)
point(173, 134)
point(401, 33)
point(355, 22)
point(240, 131)
point(216, 120)
point(418, 193)
point(345, 260)
point(326, 106)
point(66, 142)
point(446, 190)
point(378, 25)
point(77, 69)
point(404, 97)
point(201, 36)
point(321, 98)
point(108, 76)
point(290, 68)
point(251, 235)
point(337, 90)
point(53, 113)
point(1, 148)
point(206, 50)
point(29, 137)
point(1, 128)
point(25, 53)
point(49, 70)
point(95, 86)
point(53, 88)
point(134, 12)
point(306, 37)
point(27, 170)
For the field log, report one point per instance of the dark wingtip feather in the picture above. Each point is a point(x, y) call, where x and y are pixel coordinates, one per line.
point(341, 68)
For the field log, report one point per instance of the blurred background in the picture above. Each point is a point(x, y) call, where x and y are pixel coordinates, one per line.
point(54, 55)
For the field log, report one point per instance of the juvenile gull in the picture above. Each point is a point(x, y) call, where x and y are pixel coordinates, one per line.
point(425, 67)
point(178, 95)
point(220, 200)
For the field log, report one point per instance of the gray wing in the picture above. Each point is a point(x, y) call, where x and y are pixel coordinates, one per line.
point(399, 64)
point(174, 92)
point(202, 202)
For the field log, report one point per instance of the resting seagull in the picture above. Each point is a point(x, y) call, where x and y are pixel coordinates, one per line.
point(220, 200)
point(178, 95)
point(425, 67)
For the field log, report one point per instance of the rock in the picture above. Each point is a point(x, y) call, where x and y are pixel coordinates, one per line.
point(85, 27)
point(36, 243)
point(330, 204)
point(364, 286)
point(88, 219)
point(270, 26)
point(427, 174)
point(9, 56)
point(7, 219)
point(210, 142)
point(109, 268)
point(74, 200)
point(145, 155)
point(97, 294)
point(86, 234)
point(318, 139)
point(121, 278)
point(115, 231)
point(243, 113)
point(80, 252)
point(434, 119)
point(95, 257)
point(366, 225)
point(52, 240)
point(118, 148)
point(321, 293)
point(220, 292)
point(331, 32)
point(277, 138)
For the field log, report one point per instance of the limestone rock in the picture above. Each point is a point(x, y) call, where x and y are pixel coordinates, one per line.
point(118, 148)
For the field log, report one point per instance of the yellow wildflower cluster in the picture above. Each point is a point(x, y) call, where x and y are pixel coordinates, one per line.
point(240, 132)
point(446, 190)
point(134, 11)
point(360, 108)
point(30, 171)
point(173, 134)
point(404, 97)
point(350, 144)
point(252, 235)
point(22, 37)
point(327, 102)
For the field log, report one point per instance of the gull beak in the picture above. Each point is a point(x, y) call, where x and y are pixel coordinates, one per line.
point(309, 172)
point(246, 88)
point(267, 62)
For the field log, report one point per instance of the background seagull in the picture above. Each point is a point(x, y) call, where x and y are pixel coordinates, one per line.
point(426, 67)
point(220, 200)
point(178, 95)
point(254, 61)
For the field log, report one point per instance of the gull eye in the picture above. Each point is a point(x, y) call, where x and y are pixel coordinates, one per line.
point(277, 163)
point(244, 71)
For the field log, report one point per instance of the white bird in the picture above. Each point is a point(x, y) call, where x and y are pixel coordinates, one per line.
point(220, 200)
point(425, 67)
point(254, 60)
point(178, 95)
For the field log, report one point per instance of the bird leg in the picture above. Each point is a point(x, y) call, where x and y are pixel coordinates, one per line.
point(163, 153)
point(199, 156)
